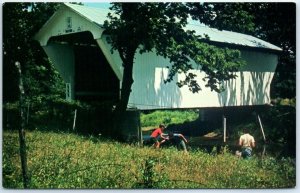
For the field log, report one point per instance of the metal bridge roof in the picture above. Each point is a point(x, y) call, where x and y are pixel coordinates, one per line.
point(98, 16)
point(93, 14)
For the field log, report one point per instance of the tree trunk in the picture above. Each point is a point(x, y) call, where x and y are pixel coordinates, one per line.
point(23, 153)
point(125, 93)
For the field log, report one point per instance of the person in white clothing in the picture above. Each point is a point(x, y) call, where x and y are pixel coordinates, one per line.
point(246, 142)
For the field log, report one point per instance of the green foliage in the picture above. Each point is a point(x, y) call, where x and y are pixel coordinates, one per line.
point(21, 22)
point(225, 16)
point(159, 27)
point(285, 102)
point(155, 118)
point(278, 121)
point(72, 161)
point(272, 22)
point(277, 24)
point(92, 118)
point(149, 173)
point(281, 123)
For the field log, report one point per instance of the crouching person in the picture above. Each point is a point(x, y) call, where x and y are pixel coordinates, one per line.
point(158, 133)
point(178, 140)
point(246, 142)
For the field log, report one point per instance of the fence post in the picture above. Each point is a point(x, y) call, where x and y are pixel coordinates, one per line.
point(261, 127)
point(74, 122)
point(224, 126)
point(23, 153)
point(140, 134)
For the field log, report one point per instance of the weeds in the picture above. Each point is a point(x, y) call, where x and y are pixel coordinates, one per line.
point(63, 160)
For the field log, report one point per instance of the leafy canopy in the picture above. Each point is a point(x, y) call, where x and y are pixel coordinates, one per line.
point(20, 22)
point(160, 27)
point(272, 22)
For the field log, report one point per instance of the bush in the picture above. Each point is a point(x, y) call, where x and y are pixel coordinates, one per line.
point(92, 118)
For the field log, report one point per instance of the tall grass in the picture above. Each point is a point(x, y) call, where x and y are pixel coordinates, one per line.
point(166, 116)
point(63, 160)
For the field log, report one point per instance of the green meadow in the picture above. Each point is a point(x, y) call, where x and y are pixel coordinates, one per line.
point(153, 119)
point(64, 160)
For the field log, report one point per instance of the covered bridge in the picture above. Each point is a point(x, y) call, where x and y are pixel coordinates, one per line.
point(74, 41)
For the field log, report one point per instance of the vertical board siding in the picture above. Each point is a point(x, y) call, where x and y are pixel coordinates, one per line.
point(251, 87)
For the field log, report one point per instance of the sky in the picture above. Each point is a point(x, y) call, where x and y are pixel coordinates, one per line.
point(105, 4)
point(98, 4)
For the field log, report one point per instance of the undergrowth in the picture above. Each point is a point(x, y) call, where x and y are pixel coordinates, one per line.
point(64, 160)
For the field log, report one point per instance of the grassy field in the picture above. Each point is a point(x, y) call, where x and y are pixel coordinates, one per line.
point(155, 118)
point(64, 160)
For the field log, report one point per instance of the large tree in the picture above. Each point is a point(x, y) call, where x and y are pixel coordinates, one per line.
point(276, 23)
point(159, 27)
point(272, 22)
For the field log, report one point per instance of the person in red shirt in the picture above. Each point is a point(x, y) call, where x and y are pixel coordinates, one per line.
point(158, 132)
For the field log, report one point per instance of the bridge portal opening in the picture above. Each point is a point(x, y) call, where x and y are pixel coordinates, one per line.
point(94, 78)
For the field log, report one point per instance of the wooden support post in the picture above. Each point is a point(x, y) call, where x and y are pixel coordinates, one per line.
point(74, 122)
point(23, 154)
point(264, 151)
point(261, 127)
point(140, 134)
point(224, 126)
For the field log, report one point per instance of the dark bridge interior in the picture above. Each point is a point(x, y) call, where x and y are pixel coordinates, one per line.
point(94, 78)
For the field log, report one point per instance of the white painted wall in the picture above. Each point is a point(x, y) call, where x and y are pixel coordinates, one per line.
point(253, 84)
point(251, 87)
point(63, 22)
point(62, 57)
